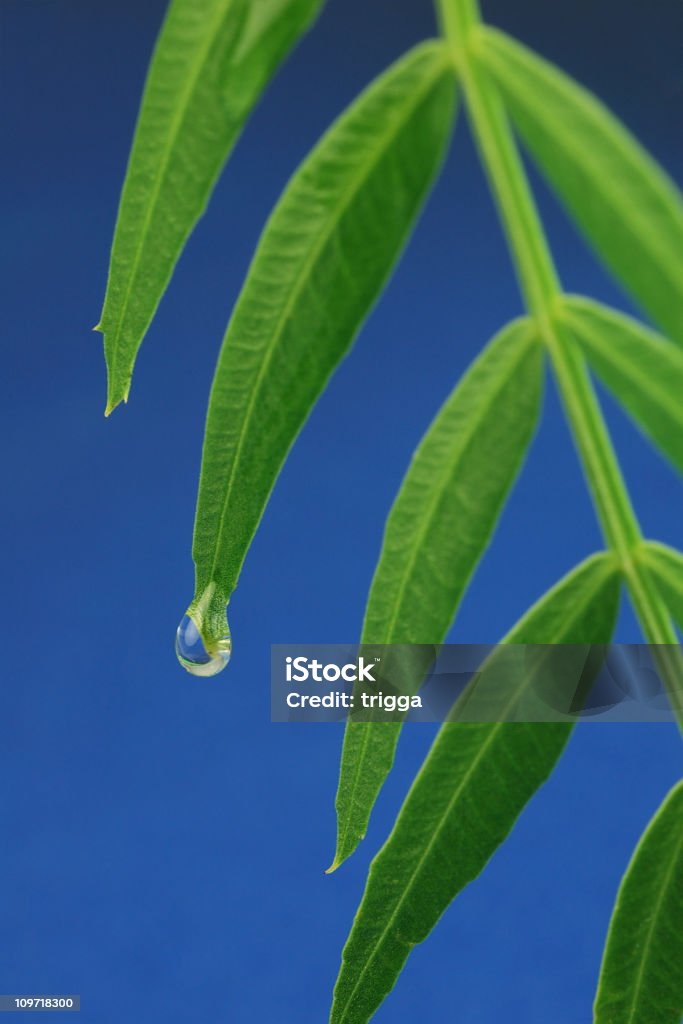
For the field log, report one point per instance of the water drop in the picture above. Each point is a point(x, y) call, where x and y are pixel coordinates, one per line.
point(194, 656)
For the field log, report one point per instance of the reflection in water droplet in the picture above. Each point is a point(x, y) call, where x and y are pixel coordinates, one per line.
point(193, 655)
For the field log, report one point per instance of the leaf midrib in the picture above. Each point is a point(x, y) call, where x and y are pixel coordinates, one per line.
point(309, 262)
point(660, 559)
point(177, 121)
point(658, 182)
point(341, 842)
point(647, 384)
point(632, 1019)
point(495, 730)
point(427, 520)
point(445, 477)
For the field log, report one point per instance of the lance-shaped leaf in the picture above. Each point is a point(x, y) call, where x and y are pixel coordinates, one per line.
point(438, 529)
point(320, 265)
point(642, 369)
point(641, 980)
point(624, 202)
point(212, 60)
point(666, 567)
point(464, 801)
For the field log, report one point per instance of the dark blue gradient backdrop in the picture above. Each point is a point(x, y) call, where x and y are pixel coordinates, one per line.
point(163, 844)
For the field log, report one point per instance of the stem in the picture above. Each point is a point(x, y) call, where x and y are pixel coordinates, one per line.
point(542, 291)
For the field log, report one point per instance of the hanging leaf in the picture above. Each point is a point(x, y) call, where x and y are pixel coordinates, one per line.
point(212, 61)
point(322, 261)
point(626, 205)
point(642, 369)
point(464, 801)
point(438, 529)
point(666, 566)
point(641, 979)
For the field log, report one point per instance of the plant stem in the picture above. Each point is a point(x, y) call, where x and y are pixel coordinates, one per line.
point(540, 287)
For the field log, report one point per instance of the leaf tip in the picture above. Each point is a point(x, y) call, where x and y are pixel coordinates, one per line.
point(341, 855)
point(116, 394)
point(113, 402)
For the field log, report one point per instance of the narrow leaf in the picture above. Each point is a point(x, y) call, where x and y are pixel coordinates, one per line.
point(212, 60)
point(467, 796)
point(322, 261)
point(624, 202)
point(666, 566)
point(642, 369)
point(641, 980)
point(438, 529)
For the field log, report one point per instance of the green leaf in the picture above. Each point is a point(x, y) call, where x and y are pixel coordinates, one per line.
point(322, 261)
point(642, 369)
point(641, 980)
point(212, 60)
point(666, 566)
point(467, 796)
point(626, 205)
point(438, 529)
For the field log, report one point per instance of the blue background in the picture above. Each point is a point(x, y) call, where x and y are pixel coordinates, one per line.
point(162, 841)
